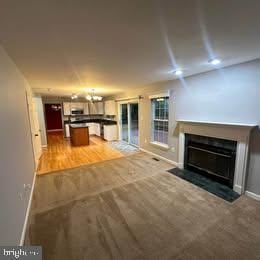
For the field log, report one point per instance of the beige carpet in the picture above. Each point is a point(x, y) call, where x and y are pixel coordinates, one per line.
point(131, 208)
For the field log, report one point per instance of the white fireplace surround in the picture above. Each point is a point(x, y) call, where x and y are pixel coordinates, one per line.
point(230, 131)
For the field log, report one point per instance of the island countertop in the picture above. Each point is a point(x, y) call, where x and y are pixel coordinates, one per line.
point(94, 120)
point(82, 125)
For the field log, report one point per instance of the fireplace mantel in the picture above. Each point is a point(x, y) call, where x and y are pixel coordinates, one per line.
point(217, 123)
point(230, 131)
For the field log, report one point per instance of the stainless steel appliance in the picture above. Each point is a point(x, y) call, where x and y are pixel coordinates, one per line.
point(77, 111)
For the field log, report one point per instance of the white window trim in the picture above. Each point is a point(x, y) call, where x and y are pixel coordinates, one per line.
point(160, 95)
point(160, 145)
point(155, 143)
point(161, 120)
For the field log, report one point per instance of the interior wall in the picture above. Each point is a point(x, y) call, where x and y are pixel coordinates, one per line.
point(145, 115)
point(16, 160)
point(227, 95)
point(230, 94)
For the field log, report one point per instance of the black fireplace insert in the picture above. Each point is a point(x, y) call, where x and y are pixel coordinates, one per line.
point(211, 157)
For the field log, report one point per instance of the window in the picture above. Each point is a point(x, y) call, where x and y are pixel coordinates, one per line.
point(160, 119)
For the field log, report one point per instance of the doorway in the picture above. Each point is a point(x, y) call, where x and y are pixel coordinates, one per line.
point(35, 128)
point(53, 117)
point(129, 122)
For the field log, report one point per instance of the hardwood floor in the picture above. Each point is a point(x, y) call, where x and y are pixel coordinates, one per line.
point(131, 208)
point(61, 155)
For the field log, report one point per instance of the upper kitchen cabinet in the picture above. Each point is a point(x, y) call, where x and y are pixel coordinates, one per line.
point(86, 109)
point(92, 108)
point(96, 108)
point(100, 108)
point(110, 107)
point(83, 108)
point(66, 108)
point(77, 105)
point(77, 108)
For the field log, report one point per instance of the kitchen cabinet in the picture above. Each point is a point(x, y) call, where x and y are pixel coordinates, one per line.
point(77, 105)
point(96, 108)
point(110, 107)
point(100, 108)
point(66, 108)
point(67, 130)
point(92, 128)
point(92, 108)
point(110, 132)
point(86, 108)
point(89, 108)
point(97, 129)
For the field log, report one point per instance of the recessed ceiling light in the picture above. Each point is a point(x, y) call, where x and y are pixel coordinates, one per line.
point(215, 61)
point(178, 72)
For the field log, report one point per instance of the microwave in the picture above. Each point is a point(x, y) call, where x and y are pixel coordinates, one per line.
point(77, 111)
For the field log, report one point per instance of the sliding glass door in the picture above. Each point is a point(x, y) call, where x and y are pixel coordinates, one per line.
point(129, 128)
point(124, 122)
point(133, 120)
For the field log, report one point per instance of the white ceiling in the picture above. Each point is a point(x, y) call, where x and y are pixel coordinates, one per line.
point(117, 45)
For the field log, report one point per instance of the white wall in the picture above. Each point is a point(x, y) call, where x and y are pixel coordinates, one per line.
point(16, 152)
point(229, 95)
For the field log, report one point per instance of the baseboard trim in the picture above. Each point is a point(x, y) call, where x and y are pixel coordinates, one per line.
point(180, 165)
point(237, 189)
point(252, 195)
point(159, 157)
point(55, 130)
point(27, 212)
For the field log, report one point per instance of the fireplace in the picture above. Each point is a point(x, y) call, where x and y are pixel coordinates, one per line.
point(211, 157)
point(231, 138)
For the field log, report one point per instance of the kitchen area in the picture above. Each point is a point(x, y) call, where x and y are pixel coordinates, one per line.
point(79, 132)
point(98, 117)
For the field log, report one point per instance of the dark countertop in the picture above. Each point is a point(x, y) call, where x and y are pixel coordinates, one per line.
point(78, 126)
point(94, 120)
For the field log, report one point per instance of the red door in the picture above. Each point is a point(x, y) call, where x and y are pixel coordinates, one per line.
point(53, 117)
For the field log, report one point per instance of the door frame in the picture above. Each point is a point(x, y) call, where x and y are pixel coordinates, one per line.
point(45, 117)
point(34, 129)
point(128, 102)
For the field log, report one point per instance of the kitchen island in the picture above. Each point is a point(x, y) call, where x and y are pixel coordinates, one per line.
point(79, 134)
point(102, 127)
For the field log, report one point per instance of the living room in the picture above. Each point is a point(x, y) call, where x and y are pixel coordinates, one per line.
point(130, 124)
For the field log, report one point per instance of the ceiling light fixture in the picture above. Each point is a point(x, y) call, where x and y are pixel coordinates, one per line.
point(92, 97)
point(215, 61)
point(178, 72)
point(56, 107)
point(74, 96)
